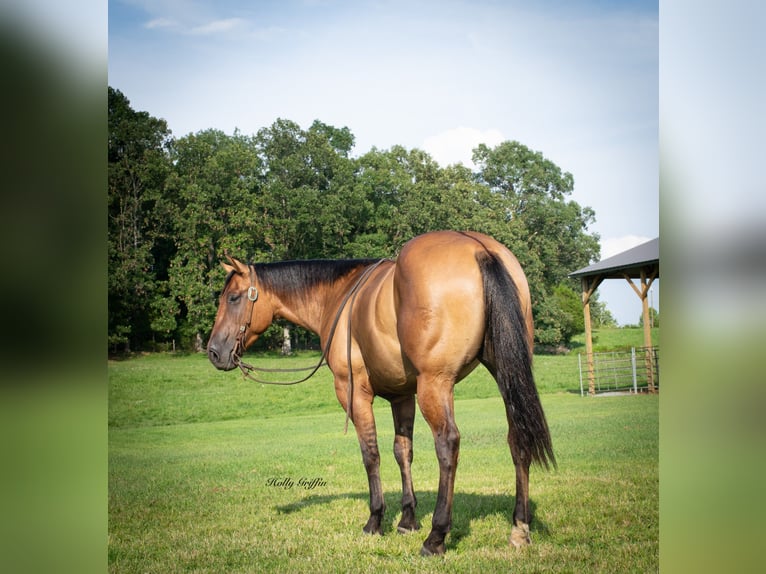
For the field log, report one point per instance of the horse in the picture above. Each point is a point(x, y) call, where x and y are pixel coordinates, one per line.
point(411, 329)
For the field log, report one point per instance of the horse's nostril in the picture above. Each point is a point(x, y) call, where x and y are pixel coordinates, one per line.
point(213, 355)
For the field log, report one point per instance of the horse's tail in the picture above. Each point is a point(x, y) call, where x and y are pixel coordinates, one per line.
point(508, 355)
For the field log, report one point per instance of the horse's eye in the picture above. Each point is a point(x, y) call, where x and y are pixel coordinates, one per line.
point(234, 297)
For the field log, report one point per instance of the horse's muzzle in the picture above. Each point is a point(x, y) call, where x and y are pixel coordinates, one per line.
point(221, 361)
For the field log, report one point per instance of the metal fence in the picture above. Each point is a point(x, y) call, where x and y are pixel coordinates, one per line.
point(633, 371)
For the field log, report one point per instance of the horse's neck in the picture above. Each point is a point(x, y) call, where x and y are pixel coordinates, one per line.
point(297, 311)
point(311, 309)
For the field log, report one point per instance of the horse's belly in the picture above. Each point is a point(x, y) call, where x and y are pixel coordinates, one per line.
point(376, 334)
point(394, 375)
point(389, 371)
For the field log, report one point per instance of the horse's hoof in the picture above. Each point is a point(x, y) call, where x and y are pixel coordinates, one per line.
point(432, 550)
point(372, 527)
point(407, 526)
point(520, 535)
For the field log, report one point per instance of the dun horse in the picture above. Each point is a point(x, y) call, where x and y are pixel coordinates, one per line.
point(409, 330)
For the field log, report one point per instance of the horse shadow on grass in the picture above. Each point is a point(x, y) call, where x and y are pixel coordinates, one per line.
point(466, 508)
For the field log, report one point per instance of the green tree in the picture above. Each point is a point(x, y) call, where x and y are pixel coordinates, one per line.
point(381, 181)
point(210, 197)
point(560, 317)
point(546, 231)
point(406, 193)
point(572, 318)
point(290, 193)
point(308, 205)
point(137, 167)
point(600, 315)
point(654, 318)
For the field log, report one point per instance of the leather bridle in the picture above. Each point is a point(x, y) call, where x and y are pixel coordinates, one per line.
point(239, 345)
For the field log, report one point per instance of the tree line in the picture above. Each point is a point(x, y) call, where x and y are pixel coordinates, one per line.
point(175, 205)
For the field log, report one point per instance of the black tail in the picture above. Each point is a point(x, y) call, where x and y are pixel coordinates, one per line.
point(508, 356)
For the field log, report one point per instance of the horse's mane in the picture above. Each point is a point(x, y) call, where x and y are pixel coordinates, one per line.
point(291, 277)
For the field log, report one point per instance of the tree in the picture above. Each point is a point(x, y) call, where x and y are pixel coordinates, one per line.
point(572, 318)
point(137, 167)
point(406, 193)
point(211, 198)
point(307, 204)
point(545, 230)
point(310, 206)
point(654, 318)
point(290, 193)
point(560, 317)
point(600, 315)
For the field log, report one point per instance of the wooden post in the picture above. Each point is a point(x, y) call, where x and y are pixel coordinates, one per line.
point(643, 294)
point(589, 347)
point(587, 290)
point(649, 357)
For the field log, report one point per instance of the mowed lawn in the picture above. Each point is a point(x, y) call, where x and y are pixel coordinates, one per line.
point(212, 473)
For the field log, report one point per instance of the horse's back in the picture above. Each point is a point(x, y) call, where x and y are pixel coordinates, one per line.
point(448, 259)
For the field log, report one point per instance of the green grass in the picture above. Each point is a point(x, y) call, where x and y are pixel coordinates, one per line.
point(614, 339)
point(192, 450)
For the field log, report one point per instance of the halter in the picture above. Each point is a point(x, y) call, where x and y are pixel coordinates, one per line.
point(247, 369)
point(252, 296)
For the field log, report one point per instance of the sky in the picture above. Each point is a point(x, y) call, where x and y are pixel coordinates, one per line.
point(576, 80)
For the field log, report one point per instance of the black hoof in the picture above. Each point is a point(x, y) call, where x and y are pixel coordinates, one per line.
point(372, 527)
point(432, 550)
point(407, 526)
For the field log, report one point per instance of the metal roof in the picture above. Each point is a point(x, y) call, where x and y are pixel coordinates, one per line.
point(629, 262)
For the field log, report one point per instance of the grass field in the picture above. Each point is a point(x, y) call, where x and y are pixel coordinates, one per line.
point(211, 473)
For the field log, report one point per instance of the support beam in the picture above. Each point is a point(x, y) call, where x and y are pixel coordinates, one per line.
point(643, 292)
point(649, 357)
point(589, 285)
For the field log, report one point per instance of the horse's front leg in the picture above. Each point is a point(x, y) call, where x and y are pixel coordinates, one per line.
point(403, 409)
point(436, 404)
point(364, 422)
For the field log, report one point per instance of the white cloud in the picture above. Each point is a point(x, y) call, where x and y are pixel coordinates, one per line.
point(614, 245)
point(160, 23)
point(456, 145)
point(217, 26)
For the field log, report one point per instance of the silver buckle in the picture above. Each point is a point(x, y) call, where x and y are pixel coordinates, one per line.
point(252, 293)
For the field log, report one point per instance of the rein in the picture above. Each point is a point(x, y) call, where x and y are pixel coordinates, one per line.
point(239, 346)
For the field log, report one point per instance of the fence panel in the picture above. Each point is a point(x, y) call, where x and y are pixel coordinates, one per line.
point(634, 371)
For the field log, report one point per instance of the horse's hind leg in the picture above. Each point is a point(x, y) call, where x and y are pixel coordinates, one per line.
point(436, 403)
point(521, 516)
point(403, 410)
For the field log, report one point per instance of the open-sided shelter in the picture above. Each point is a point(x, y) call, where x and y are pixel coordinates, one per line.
point(641, 262)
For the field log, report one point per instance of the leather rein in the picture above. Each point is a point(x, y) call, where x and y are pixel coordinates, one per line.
point(239, 345)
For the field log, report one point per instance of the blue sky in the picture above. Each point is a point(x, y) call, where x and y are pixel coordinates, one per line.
point(577, 81)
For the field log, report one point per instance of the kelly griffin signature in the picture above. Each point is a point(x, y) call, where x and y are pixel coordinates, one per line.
point(303, 482)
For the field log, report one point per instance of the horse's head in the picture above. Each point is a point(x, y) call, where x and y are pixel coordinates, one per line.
point(243, 314)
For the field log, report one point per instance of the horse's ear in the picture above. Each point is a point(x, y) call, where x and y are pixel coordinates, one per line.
point(236, 264)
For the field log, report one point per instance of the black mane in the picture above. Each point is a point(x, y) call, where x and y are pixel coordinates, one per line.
point(291, 277)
